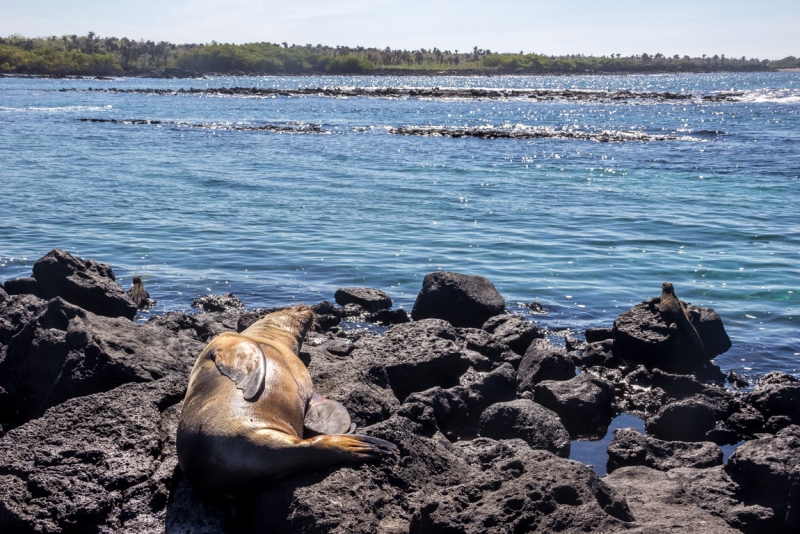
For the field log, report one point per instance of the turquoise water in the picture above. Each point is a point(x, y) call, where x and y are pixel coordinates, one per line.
point(586, 228)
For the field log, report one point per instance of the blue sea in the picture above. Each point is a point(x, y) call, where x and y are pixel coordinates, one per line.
point(585, 228)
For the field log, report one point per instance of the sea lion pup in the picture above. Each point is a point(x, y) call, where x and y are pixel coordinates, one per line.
point(675, 314)
point(249, 395)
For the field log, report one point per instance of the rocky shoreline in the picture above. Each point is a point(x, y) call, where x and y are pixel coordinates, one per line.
point(482, 405)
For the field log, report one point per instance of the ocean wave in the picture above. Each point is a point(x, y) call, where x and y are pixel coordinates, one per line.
point(768, 95)
point(287, 127)
point(58, 108)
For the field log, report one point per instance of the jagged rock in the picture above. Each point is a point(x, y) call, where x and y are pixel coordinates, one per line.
point(67, 352)
point(736, 380)
point(512, 330)
point(629, 447)
point(766, 470)
point(387, 317)
point(84, 283)
point(367, 498)
point(776, 423)
point(645, 403)
point(677, 386)
point(522, 490)
point(416, 356)
point(204, 326)
point(102, 462)
point(524, 419)
point(17, 311)
point(369, 298)
point(685, 420)
point(543, 361)
point(597, 353)
point(481, 341)
point(460, 299)
point(747, 422)
point(642, 336)
point(456, 411)
point(584, 403)
point(660, 503)
point(777, 394)
point(595, 335)
point(218, 303)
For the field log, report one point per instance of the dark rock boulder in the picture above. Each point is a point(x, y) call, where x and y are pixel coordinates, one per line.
point(777, 394)
point(512, 330)
point(416, 356)
point(522, 490)
point(456, 411)
point(218, 303)
point(642, 336)
point(101, 463)
point(460, 299)
point(595, 335)
point(767, 469)
point(597, 353)
point(67, 352)
point(85, 283)
point(17, 311)
point(629, 447)
point(584, 403)
point(660, 502)
point(369, 298)
point(543, 361)
point(532, 423)
point(387, 317)
point(685, 420)
point(205, 326)
point(482, 342)
point(746, 422)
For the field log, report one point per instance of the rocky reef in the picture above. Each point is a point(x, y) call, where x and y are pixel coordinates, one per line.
point(481, 404)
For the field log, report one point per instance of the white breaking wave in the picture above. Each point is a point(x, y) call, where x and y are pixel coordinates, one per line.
point(58, 108)
point(777, 96)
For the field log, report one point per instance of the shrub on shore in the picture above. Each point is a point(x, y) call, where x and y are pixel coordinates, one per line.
point(349, 65)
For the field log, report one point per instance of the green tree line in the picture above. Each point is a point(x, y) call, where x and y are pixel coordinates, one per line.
point(94, 55)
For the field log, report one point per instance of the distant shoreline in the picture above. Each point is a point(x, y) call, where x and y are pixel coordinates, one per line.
point(379, 73)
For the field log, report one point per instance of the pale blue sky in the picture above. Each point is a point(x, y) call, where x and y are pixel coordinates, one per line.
point(765, 29)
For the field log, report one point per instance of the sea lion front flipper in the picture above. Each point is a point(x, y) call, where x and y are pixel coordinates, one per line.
point(242, 361)
point(326, 416)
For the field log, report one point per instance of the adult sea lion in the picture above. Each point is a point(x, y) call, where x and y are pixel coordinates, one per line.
point(251, 416)
point(675, 314)
point(139, 295)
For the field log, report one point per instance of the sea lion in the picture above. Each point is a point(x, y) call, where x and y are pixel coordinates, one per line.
point(676, 315)
point(250, 404)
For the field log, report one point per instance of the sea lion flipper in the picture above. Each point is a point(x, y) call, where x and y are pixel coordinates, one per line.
point(325, 416)
point(242, 361)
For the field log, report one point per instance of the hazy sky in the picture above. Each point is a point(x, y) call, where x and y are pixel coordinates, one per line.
point(765, 29)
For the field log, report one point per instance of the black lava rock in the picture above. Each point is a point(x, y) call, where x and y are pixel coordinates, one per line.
point(84, 283)
point(584, 403)
point(532, 423)
point(777, 394)
point(460, 299)
point(686, 420)
point(629, 447)
point(543, 361)
point(369, 298)
point(512, 330)
point(218, 303)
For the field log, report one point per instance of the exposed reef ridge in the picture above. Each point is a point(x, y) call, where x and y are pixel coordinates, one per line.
point(481, 404)
point(515, 131)
point(544, 95)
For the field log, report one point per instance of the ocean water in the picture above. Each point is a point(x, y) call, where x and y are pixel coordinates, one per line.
point(195, 205)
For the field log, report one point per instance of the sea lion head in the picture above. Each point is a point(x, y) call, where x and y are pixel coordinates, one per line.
point(137, 280)
point(667, 288)
point(290, 325)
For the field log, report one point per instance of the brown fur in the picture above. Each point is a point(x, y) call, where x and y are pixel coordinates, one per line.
point(228, 444)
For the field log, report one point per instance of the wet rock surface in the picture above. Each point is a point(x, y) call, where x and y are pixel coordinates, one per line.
point(218, 303)
point(89, 406)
